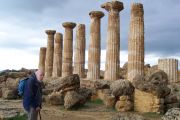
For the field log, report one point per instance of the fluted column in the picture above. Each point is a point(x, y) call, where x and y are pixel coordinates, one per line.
point(49, 53)
point(79, 56)
point(136, 42)
point(57, 62)
point(94, 52)
point(68, 49)
point(113, 40)
point(42, 58)
point(170, 67)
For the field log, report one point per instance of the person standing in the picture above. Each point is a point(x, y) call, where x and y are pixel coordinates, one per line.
point(32, 98)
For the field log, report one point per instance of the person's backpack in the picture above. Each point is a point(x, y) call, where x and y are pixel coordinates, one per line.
point(21, 86)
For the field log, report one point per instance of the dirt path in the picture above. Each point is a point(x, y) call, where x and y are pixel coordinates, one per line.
point(97, 112)
point(88, 112)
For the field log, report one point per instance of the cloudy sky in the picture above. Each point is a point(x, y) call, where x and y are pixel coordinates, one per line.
point(23, 22)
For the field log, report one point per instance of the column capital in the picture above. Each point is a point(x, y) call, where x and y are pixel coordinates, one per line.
point(69, 25)
point(57, 37)
point(97, 14)
point(80, 25)
point(42, 48)
point(137, 9)
point(113, 5)
point(50, 32)
point(59, 34)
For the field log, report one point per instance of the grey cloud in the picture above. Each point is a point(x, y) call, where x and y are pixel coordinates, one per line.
point(162, 25)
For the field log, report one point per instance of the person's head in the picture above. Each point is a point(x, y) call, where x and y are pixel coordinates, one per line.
point(39, 75)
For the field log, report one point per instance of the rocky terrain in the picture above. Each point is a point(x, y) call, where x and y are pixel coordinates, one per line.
point(70, 98)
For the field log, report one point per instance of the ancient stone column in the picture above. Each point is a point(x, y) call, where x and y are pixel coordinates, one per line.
point(170, 67)
point(178, 76)
point(113, 40)
point(42, 58)
point(57, 62)
point(94, 52)
point(68, 49)
point(80, 45)
point(136, 42)
point(49, 53)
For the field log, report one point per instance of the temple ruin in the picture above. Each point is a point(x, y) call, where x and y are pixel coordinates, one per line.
point(124, 91)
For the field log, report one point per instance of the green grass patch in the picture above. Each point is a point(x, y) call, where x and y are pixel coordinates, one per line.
point(19, 117)
point(97, 101)
point(151, 115)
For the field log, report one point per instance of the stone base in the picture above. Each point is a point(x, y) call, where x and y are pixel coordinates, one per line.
point(124, 104)
point(147, 102)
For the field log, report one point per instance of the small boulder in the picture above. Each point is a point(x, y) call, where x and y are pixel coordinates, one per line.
point(121, 87)
point(73, 99)
point(172, 114)
point(55, 98)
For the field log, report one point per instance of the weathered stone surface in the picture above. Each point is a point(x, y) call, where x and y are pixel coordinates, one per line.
point(18, 74)
point(121, 87)
point(42, 58)
point(179, 76)
point(175, 90)
point(172, 105)
point(155, 83)
point(57, 60)
point(170, 67)
point(79, 55)
point(147, 102)
point(3, 78)
point(71, 82)
point(9, 93)
point(10, 109)
point(73, 99)
point(124, 106)
point(0, 92)
point(136, 42)
point(109, 101)
point(94, 52)
point(113, 40)
point(127, 116)
point(170, 99)
point(55, 98)
point(49, 53)
point(102, 84)
point(12, 83)
point(86, 93)
point(102, 93)
point(67, 68)
point(172, 114)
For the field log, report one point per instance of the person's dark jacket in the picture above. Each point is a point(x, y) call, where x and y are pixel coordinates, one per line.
point(32, 96)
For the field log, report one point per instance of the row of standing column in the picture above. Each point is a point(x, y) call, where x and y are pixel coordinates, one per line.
point(53, 57)
point(136, 46)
